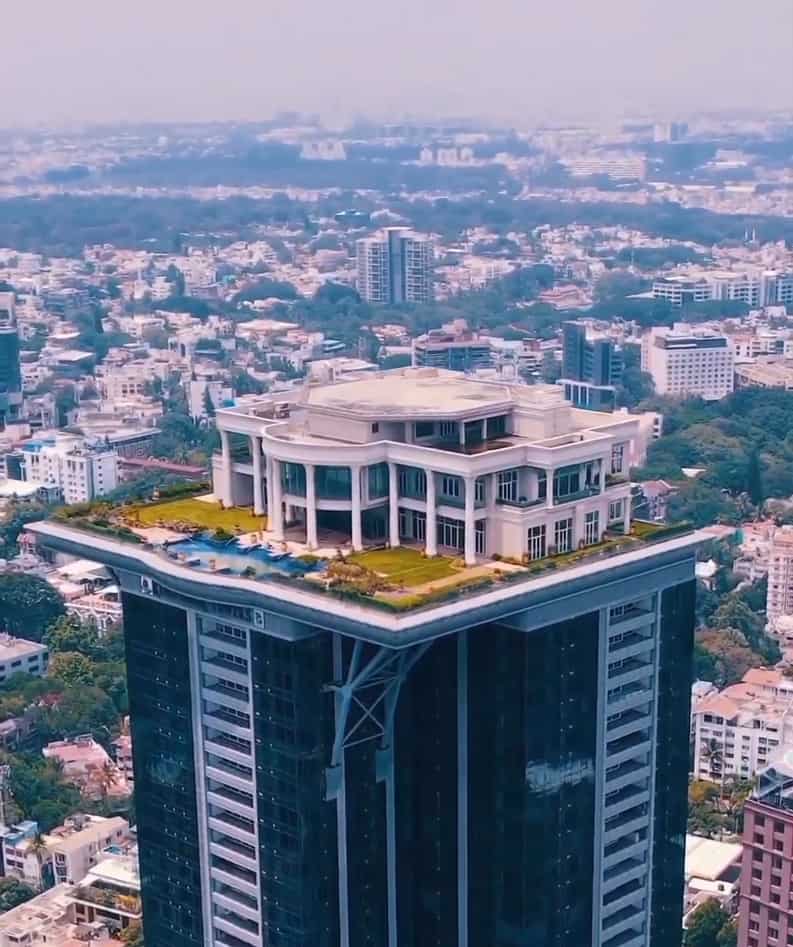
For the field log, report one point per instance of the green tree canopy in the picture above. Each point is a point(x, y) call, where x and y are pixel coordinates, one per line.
point(28, 605)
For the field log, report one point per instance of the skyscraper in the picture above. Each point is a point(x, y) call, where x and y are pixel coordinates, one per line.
point(395, 266)
point(506, 768)
point(10, 373)
point(591, 367)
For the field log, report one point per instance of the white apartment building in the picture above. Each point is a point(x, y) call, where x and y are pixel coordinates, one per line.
point(69, 853)
point(20, 656)
point(395, 266)
point(688, 361)
point(738, 729)
point(79, 470)
point(779, 599)
point(755, 287)
point(431, 458)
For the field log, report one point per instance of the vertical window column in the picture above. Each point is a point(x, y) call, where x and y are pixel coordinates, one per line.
point(431, 532)
point(470, 521)
point(225, 487)
point(258, 493)
point(393, 505)
point(355, 483)
point(311, 506)
point(275, 498)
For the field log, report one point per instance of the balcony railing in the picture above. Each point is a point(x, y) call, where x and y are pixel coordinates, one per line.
point(523, 503)
point(578, 495)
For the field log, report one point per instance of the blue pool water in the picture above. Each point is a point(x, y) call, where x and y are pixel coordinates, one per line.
point(230, 556)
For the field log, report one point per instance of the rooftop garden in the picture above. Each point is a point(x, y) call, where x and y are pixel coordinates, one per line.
point(396, 580)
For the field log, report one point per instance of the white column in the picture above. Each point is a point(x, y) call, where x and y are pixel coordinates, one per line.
point(461, 431)
point(549, 489)
point(627, 502)
point(225, 488)
point(258, 493)
point(393, 505)
point(275, 497)
point(311, 507)
point(470, 521)
point(605, 467)
point(355, 477)
point(431, 525)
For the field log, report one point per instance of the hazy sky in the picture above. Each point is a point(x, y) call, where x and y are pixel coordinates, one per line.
point(78, 60)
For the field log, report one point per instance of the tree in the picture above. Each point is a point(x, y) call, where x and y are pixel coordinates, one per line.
point(14, 892)
point(83, 709)
point(706, 924)
point(133, 935)
point(209, 407)
point(69, 634)
point(72, 668)
point(28, 605)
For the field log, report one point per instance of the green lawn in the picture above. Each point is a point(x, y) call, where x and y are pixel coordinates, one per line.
point(198, 513)
point(404, 566)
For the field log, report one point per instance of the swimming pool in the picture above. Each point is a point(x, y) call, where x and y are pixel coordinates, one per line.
point(230, 556)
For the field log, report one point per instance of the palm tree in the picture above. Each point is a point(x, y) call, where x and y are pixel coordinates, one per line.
point(38, 848)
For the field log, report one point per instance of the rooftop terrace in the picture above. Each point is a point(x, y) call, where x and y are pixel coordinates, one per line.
point(399, 580)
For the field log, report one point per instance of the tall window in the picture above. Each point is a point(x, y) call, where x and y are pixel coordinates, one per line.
point(542, 485)
point(566, 481)
point(616, 510)
point(617, 458)
point(378, 481)
point(479, 538)
point(563, 535)
point(537, 542)
point(412, 482)
point(479, 490)
point(451, 486)
point(451, 533)
point(448, 429)
point(508, 485)
point(592, 528)
point(497, 426)
point(425, 428)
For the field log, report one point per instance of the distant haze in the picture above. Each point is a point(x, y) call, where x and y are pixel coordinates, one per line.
point(514, 60)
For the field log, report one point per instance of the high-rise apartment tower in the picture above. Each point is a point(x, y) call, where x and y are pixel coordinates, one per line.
point(506, 768)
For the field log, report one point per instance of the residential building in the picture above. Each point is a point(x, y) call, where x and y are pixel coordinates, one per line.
point(454, 346)
point(19, 656)
point(49, 918)
point(765, 374)
point(109, 894)
point(687, 361)
point(10, 370)
point(64, 855)
point(79, 845)
point(779, 598)
point(81, 471)
point(395, 266)
point(207, 389)
point(738, 729)
point(122, 753)
point(713, 871)
point(85, 763)
point(506, 769)
point(591, 367)
point(471, 467)
point(751, 286)
point(766, 902)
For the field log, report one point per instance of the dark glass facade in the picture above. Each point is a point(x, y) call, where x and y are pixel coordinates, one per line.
point(532, 745)
point(293, 731)
point(158, 674)
point(671, 767)
point(426, 800)
point(517, 710)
